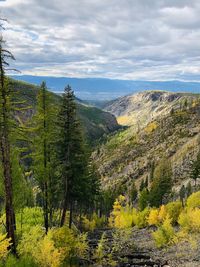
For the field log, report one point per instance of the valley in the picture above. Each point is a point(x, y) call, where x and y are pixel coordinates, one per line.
point(99, 133)
point(130, 138)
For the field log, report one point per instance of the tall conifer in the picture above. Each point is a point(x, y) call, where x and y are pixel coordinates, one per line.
point(73, 158)
point(5, 113)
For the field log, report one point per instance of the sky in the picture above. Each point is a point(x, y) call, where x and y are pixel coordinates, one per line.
point(118, 39)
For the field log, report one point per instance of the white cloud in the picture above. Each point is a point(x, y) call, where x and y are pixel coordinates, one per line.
point(134, 39)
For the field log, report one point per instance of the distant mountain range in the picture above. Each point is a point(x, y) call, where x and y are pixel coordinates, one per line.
point(101, 89)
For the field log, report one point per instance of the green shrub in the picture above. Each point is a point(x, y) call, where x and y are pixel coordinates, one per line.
point(12, 261)
point(142, 218)
point(165, 233)
point(173, 210)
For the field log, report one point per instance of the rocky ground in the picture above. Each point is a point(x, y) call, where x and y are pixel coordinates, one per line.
point(144, 252)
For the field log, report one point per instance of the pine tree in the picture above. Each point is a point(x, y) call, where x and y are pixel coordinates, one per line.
point(90, 189)
point(146, 183)
point(188, 189)
point(162, 183)
point(133, 192)
point(182, 194)
point(152, 169)
point(195, 172)
point(143, 201)
point(5, 114)
point(142, 185)
point(44, 130)
point(72, 154)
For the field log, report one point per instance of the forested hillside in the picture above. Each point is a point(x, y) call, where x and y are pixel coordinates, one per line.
point(130, 154)
point(143, 107)
point(79, 189)
point(95, 122)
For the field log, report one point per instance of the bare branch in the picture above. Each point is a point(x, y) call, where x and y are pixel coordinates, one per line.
point(13, 70)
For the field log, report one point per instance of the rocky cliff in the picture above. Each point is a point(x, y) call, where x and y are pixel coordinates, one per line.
point(128, 155)
point(141, 108)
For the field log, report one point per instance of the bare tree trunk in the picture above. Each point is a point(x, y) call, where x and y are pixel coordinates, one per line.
point(62, 221)
point(46, 219)
point(6, 162)
point(70, 214)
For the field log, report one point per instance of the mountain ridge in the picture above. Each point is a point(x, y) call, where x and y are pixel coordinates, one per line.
point(108, 89)
point(128, 155)
point(95, 121)
point(140, 108)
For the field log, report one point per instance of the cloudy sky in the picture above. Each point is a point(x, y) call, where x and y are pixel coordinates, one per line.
point(123, 39)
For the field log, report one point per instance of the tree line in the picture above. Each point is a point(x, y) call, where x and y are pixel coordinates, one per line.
point(51, 155)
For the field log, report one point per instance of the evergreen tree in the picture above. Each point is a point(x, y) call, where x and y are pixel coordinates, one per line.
point(133, 192)
point(182, 194)
point(72, 154)
point(5, 128)
point(44, 149)
point(195, 171)
point(142, 185)
point(143, 201)
point(146, 183)
point(188, 189)
point(162, 183)
point(152, 169)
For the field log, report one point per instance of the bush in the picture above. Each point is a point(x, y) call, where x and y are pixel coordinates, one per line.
point(173, 210)
point(40, 247)
point(4, 246)
point(193, 200)
point(101, 255)
point(19, 262)
point(142, 218)
point(57, 247)
point(28, 218)
point(93, 223)
point(190, 220)
point(165, 233)
point(122, 214)
point(162, 213)
point(71, 245)
point(153, 217)
point(88, 225)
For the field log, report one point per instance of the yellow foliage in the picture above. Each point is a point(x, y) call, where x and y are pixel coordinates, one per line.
point(47, 254)
point(94, 222)
point(124, 120)
point(153, 217)
point(122, 219)
point(4, 246)
point(88, 225)
point(162, 213)
point(30, 240)
point(134, 216)
point(51, 250)
point(193, 201)
point(142, 218)
point(180, 236)
point(165, 233)
point(126, 217)
point(115, 219)
point(152, 126)
point(40, 247)
point(190, 220)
